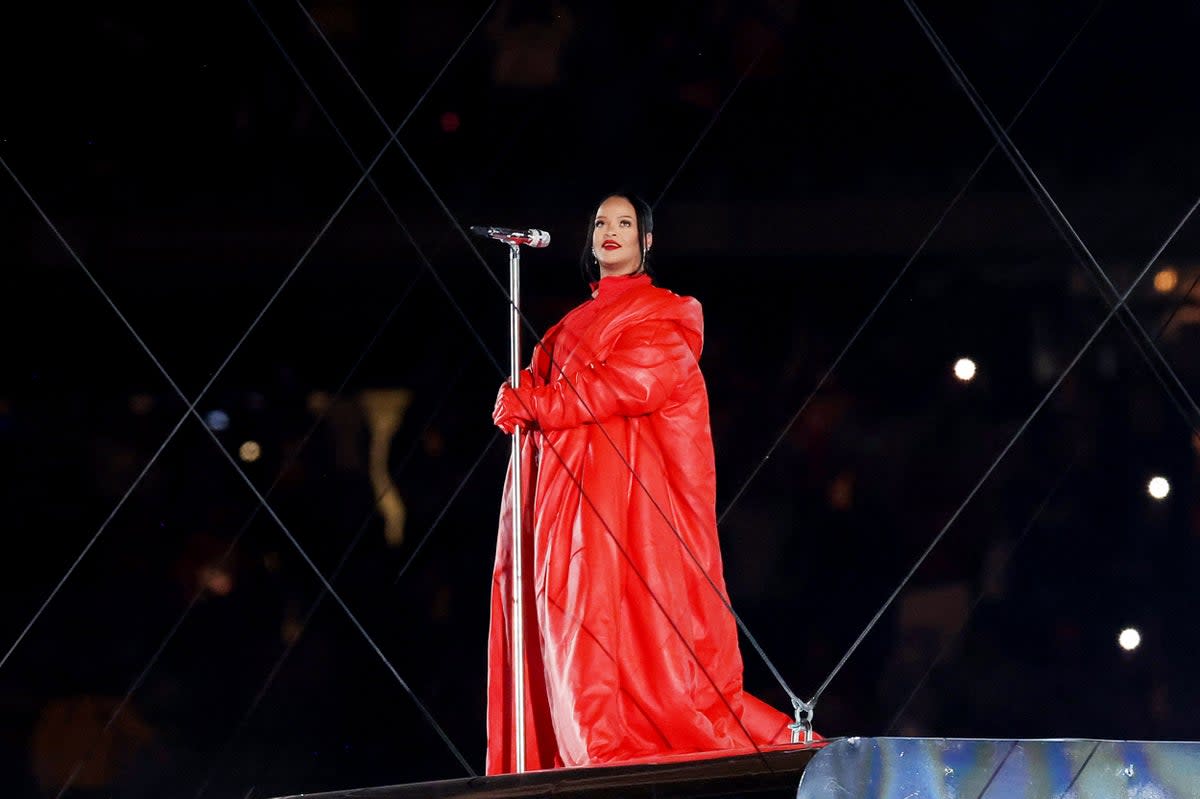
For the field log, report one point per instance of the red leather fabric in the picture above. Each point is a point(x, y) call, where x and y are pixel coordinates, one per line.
point(630, 653)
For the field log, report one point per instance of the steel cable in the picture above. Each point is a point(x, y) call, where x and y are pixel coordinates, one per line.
point(529, 326)
point(191, 410)
point(1112, 312)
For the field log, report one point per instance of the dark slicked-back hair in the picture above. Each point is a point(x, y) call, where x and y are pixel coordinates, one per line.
point(645, 226)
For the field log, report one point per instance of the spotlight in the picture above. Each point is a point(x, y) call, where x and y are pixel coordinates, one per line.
point(250, 451)
point(217, 420)
point(964, 369)
point(1158, 487)
point(1129, 639)
point(1165, 280)
point(217, 580)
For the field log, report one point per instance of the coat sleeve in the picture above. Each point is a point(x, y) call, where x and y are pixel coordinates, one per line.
point(647, 361)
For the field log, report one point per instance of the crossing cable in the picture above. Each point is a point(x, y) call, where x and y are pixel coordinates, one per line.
point(98, 740)
point(445, 508)
point(711, 122)
point(999, 767)
point(394, 139)
point(191, 410)
point(658, 603)
point(283, 657)
point(477, 336)
point(328, 587)
point(887, 292)
point(1012, 550)
point(1000, 457)
point(1187, 295)
point(1113, 311)
point(269, 680)
point(1141, 339)
point(1005, 560)
point(1087, 761)
point(791, 694)
point(407, 291)
point(200, 592)
point(277, 668)
point(191, 404)
point(387, 203)
point(795, 699)
point(1062, 795)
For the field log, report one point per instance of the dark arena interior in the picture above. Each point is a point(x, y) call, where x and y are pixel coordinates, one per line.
point(945, 256)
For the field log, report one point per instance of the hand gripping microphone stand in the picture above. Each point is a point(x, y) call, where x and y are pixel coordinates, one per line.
point(514, 239)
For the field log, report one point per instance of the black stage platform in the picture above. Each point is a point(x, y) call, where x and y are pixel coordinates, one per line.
point(768, 775)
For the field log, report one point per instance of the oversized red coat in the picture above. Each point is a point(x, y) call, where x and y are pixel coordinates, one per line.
point(630, 650)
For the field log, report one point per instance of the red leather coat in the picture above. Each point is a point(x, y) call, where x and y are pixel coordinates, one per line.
point(630, 651)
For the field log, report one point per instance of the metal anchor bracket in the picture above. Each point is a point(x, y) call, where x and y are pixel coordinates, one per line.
point(802, 727)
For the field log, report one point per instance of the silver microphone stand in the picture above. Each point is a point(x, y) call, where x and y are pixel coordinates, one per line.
point(518, 605)
point(514, 239)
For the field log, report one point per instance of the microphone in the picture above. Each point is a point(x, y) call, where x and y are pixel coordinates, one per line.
point(530, 238)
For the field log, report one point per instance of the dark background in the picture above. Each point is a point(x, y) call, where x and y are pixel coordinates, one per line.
point(799, 154)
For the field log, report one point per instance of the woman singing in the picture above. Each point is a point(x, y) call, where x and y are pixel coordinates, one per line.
point(631, 652)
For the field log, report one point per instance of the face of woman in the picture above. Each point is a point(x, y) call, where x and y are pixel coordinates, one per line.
point(615, 240)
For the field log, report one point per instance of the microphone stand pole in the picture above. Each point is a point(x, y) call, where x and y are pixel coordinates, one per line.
point(518, 605)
